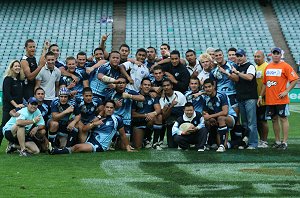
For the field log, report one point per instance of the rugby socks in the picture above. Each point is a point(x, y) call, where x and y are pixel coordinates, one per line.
point(222, 130)
point(162, 133)
point(52, 137)
point(157, 132)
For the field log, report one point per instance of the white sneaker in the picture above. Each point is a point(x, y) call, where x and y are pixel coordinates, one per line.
point(162, 145)
point(250, 148)
point(262, 144)
point(201, 149)
point(156, 146)
point(148, 145)
point(221, 148)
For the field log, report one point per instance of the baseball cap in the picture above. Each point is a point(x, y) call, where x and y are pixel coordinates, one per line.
point(276, 49)
point(64, 91)
point(240, 52)
point(32, 100)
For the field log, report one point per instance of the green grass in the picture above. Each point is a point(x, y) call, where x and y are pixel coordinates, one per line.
point(150, 173)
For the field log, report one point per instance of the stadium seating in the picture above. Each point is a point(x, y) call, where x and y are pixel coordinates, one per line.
point(197, 25)
point(67, 23)
point(288, 15)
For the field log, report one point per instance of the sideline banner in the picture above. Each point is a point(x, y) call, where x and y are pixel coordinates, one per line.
point(294, 95)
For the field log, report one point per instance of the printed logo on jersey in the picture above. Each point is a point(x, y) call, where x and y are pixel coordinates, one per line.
point(271, 83)
point(273, 72)
point(176, 74)
point(109, 123)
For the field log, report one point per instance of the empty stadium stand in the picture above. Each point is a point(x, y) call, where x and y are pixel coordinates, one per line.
point(197, 25)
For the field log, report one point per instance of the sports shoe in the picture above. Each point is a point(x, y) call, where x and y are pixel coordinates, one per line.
point(221, 149)
point(241, 147)
point(250, 148)
point(201, 149)
point(246, 140)
point(156, 146)
point(262, 144)
point(10, 148)
point(148, 144)
point(275, 145)
point(162, 145)
point(24, 153)
point(282, 146)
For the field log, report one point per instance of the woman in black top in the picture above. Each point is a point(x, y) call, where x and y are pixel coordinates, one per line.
point(12, 91)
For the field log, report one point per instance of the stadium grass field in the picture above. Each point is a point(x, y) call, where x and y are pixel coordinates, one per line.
point(151, 173)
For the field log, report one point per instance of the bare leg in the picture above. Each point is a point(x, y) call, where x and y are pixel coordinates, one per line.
point(84, 147)
point(138, 135)
point(276, 128)
point(285, 128)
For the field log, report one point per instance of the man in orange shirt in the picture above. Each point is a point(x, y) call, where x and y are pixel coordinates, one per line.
point(278, 73)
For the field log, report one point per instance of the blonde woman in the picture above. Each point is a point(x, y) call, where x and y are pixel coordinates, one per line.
point(12, 90)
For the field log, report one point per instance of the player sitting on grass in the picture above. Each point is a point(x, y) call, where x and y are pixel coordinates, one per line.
point(217, 111)
point(190, 129)
point(62, 131)
point(103, 130)
point(20, 130)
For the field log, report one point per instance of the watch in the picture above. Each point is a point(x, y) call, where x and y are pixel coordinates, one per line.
point(99, 116)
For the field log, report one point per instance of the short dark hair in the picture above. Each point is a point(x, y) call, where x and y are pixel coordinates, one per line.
point(195, 78)
point(188, 104)
point(157, 67)
point(146, 78)
point(53, 45)
point(86, 89)
point(175, 52)
point(81, 54)
point(124, 45)
point(110, 101)
point(113, 52)
point(190, 50)
point(208, 80)
point(141, 50)
point(50, 53)
point(39, 88)
point(167, 80)
point(219, 50)
point(232, 49)
point(165, 44)
point(122, 76)
point(150, 47)
point(98, 48)
point(29, 41)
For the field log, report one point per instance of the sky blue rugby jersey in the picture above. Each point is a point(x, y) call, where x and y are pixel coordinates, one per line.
point(224, 84)
point(103, 134)
point(197, 102)
point(125, 110)
point(87, 110)
point(98, 87)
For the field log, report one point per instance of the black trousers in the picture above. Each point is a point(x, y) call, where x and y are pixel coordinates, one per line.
point(198, 138)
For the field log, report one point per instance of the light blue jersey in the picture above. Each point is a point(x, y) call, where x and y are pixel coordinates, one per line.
point(224, 84)
point(197, 102)
point(125, 110)
point(103, 134)
point(101, 88)
point(24, 115)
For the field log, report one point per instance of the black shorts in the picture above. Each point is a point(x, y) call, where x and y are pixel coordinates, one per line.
point(140, 123)
point(9, 136)
point(95, 144)
point(233, 101)
point(261, 113)
point(280, 110)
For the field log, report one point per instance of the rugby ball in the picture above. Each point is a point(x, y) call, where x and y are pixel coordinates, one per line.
point(185, 126)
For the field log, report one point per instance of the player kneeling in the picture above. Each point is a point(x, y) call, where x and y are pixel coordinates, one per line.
point(102, 132)
point(190, 129)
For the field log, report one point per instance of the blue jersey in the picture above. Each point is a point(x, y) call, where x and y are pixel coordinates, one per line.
point(103, 134)
point(224, 84)
point(59, 64)
point(197, 102)
point(87, 111)
point(101, 88)
point(45, 111)
point(57, 107)
point(214, 105)
point(146, 106)
point(66, 80)
point(125, 110)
